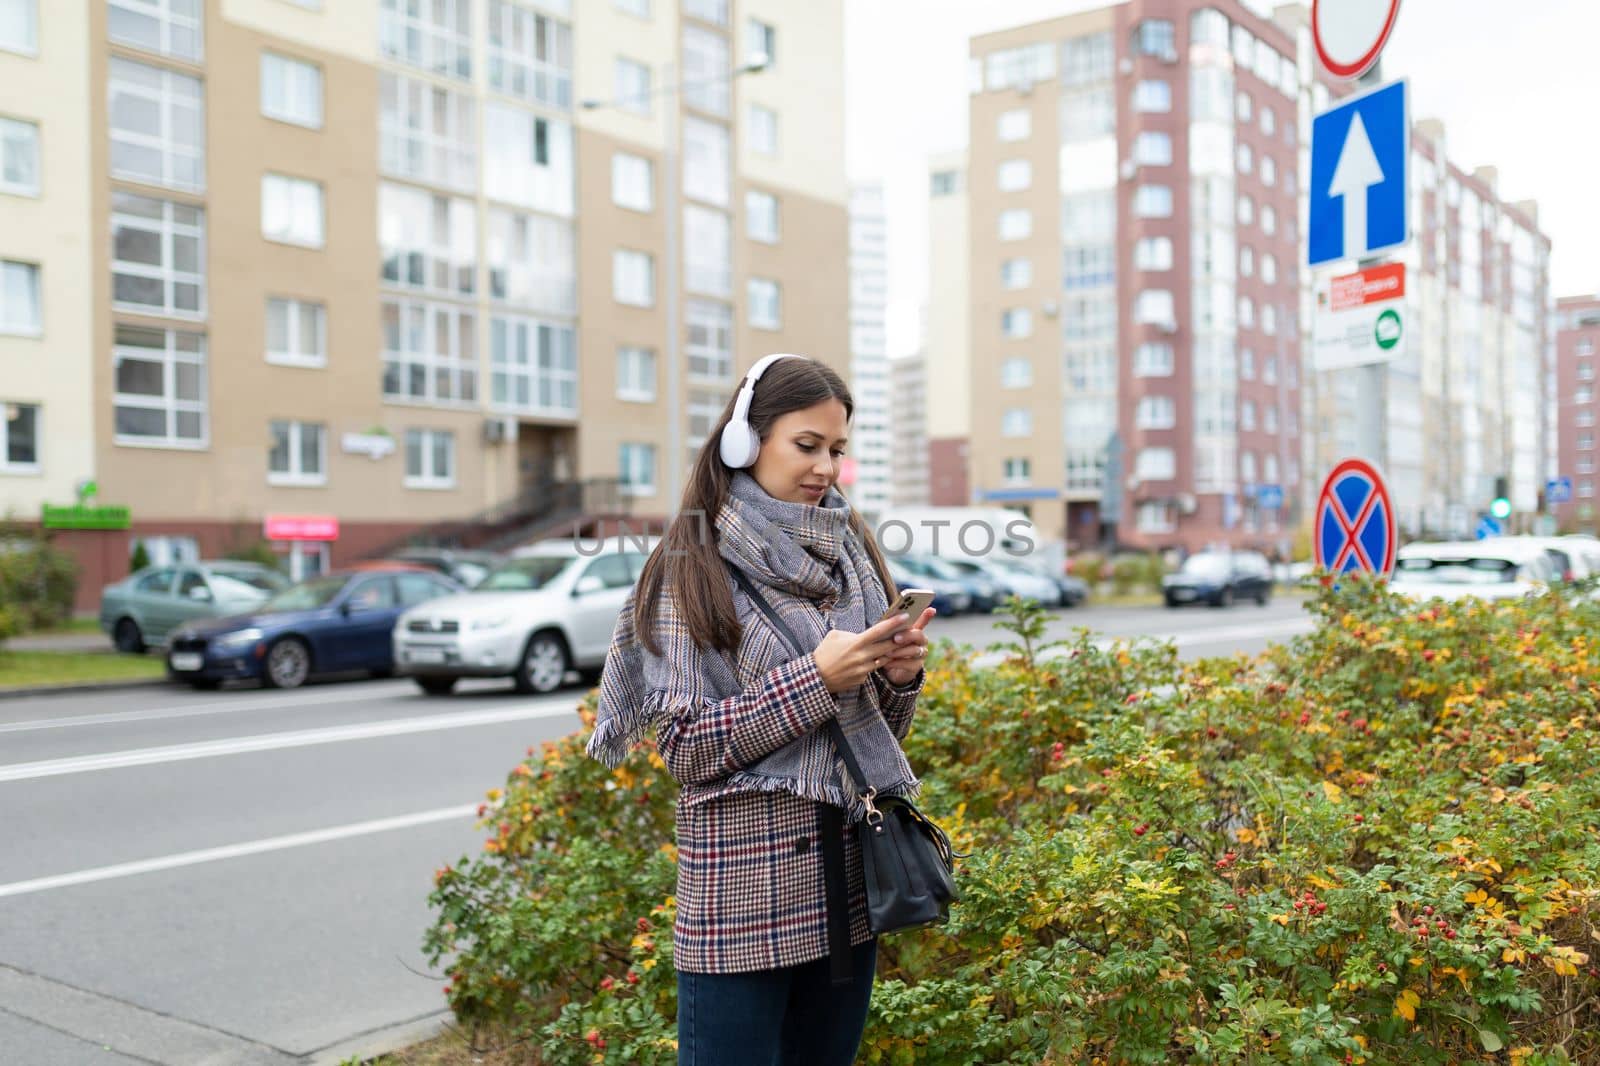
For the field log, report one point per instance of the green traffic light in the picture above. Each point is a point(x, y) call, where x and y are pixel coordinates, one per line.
point(1501, 508)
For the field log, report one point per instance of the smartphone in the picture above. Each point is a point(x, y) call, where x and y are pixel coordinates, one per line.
point(911, 601)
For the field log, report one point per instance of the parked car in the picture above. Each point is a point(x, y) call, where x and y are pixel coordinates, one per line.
point(1219, 578)
point(466, 566)
point(547, 610)
point(1495, 569)
point(1074, 590)
point(949, 597)
point(1574, 558)
point(334, 623)
point(145, 607)
point(1020, 579)
point(983, 592)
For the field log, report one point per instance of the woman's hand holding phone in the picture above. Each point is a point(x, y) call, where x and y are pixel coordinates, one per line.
point(911, 650)
point(846, 659)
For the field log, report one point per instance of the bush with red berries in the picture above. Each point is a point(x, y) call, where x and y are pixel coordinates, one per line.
point(1380, 844)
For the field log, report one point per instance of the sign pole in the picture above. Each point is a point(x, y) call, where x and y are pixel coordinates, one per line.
point(1371, 440)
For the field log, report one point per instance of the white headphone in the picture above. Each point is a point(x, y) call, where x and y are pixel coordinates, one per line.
point(740, 444)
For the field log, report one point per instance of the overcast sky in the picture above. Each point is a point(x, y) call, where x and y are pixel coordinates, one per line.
point(1517, 85)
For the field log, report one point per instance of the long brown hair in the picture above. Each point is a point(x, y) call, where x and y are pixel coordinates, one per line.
point(686, 561)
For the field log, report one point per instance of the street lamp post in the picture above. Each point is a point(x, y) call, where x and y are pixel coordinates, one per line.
point(671, 197)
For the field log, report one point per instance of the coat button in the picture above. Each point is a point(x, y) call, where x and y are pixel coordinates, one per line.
point(802, 845)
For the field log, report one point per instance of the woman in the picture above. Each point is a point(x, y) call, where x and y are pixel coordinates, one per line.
point(739, 717)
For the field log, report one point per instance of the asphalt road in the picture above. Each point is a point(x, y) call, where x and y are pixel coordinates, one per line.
point(241, 876)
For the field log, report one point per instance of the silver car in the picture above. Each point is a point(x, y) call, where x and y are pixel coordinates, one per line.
point(144, 608)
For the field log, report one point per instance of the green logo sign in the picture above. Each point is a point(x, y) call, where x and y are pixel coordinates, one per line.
point(81, 517)
point(1387, 329)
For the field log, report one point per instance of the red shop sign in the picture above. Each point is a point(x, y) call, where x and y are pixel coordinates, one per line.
point(301, 527)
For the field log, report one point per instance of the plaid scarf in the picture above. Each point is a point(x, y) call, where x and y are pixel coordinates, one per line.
point(801, 556)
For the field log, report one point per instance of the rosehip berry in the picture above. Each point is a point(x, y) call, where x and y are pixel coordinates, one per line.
point(1139, 830)
point(644, 925)
point(593, 1037)
point(1383, 967)
point(1211, 733)
point(1299, 904)
point(1360, 818)
point(1360, 723)
point(633, 978)
point(1449, 934)
point(1305, 717)
point(607, 983)
point(1428, 911)
point(1427, 656)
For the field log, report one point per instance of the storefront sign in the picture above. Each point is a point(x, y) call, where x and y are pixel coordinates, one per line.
point(80, 516)
point(372, 445)
point(301, 527)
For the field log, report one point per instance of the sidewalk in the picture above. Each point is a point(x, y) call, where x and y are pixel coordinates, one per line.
point(60, 642)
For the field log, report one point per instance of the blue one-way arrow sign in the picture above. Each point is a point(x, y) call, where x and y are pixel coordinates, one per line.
point(1360, 149)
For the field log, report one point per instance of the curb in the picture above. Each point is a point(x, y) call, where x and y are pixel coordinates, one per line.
point(370, 1045)
point(88, 686)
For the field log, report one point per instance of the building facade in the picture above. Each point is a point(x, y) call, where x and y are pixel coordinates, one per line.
point(869, 362)
point(1577, 340)
point(1132, 186)
point(908, 420)
point(947, 332)
point(385, 264)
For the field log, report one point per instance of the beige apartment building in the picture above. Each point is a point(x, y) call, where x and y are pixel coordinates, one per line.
point(359, 268)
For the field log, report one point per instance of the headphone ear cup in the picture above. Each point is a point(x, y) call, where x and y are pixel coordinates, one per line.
point(740, 445)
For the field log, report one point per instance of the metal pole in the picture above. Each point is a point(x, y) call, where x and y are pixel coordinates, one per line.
point(670, 283)
point(1371, 414)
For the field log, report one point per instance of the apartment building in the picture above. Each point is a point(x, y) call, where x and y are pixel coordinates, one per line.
point(947, 332)
point(908, 382)
point(361, 267)
point(1577, 339)
point(869, 477)
point(1467, 395)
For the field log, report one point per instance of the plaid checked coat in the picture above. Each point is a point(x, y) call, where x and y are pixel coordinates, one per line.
point(750, 890)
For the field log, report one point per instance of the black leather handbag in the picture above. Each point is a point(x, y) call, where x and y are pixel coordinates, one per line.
point(907, 861)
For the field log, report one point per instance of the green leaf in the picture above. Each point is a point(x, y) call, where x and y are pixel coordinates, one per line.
point(1491, 1042)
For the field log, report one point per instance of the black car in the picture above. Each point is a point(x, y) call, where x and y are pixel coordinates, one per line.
point(1219, 578)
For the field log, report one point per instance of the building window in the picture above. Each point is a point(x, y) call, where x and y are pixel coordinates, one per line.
point(632, 182)
point(1269, 220)
point(532, 261)
point(706, 85)
point(1269, 269)
point(1269, 171)
point(1153, 253)
point(1247, 416)
point(633, 278)
point(1269, 320)
point(1585, 346)
point(1154, 307)
point(708, 340)
point(430, 352)
point(636, 375)
point(1018, 471)
point(1586, 488)
point(944, 183)
point(1017, 422)
point(760, 42)
point(764, 298)
point(167, 27)
point(430, 459)
point(429, 133)
point(1014, 125)
point(435, 36)
point(705, 161)
point(1245, 158)
point(708, 251)
point(19, 157)
point(1585, 371)
point(1015, 175)
point(1016, 374)
point(528, 159)
point(299, 453)
point(636, 466)
point(160, 381)
point(1152, 96)
point(1016, 273)
point(1156, 464)
point(297, 333)
point(1585, 442)
point(19, 26)
point(291, 210)
point(1247, 313)
point(1247, 261)
point(1153, 359)
point(1156, 516)
point(761, 217)
point(429, 242)
point(291, 90)
point(1584, 418)
point(1242, 106)
point(1016, 323)
point(763, 130)
point(529, 55)
point(1156, 37)
point(157, 120)
point(20, 311)
point(712, 11)
point(1269, 122)
point(1269, 422)
point(1157, 412)
point(1585, 465)
point(158, 256)
point(1152, 149)
point(636, 8)
point(1016, 224)
point(20, 452)
point(1153, 201)
point(1269, 466)
point(1030, 64)
point(1247, 364)
point(630, 84)
point(533, 366)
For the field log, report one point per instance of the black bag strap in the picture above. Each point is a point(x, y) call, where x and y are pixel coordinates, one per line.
point(784, 631)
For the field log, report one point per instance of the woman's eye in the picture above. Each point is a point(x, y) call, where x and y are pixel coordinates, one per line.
point(838, 455)
point(807, 447)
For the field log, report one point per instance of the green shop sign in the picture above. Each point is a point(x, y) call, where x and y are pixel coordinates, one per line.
point(80, 516)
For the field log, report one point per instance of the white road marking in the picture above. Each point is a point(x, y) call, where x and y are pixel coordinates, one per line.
point(299, 738)
point(234, 851)
point(235, 706)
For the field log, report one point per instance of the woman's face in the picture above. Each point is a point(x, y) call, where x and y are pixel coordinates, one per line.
point(799, 459)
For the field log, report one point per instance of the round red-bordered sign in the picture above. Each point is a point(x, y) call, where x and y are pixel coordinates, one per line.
point(1363, 29)
point(1354, 526)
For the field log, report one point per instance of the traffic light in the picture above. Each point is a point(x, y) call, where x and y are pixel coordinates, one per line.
point(1500, 506)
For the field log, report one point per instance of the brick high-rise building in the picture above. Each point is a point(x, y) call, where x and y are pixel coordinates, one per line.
point(1577, 342)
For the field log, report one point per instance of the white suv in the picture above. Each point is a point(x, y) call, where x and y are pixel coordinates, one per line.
point(548, 610)
point(1495, 569)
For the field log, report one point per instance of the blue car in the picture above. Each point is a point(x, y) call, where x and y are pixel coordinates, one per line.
point(335, 623)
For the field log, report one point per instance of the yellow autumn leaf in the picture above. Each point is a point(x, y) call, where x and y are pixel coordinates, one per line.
point(1477, 897)
point(1245, 836)
point(1513, 955)
point(1332, 791)
point(1406, 1005)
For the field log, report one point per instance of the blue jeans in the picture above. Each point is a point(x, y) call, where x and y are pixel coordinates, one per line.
point(788, 1017)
